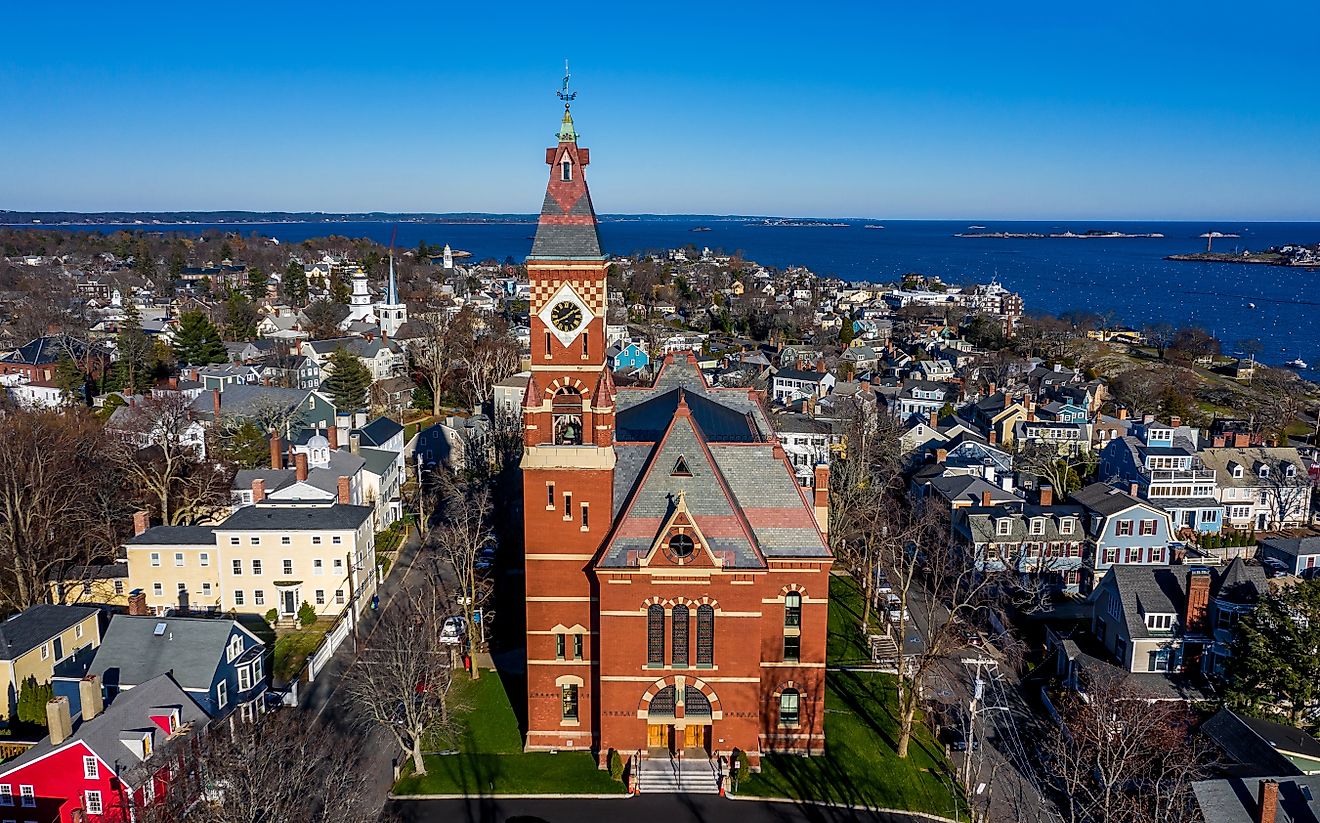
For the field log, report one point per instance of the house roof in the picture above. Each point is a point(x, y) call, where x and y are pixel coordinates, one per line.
point(134, 651)
point(378, 461)
point(968, 488)
point(35, 625)
point(1146, 590)
point(798, 374)
point(1294, 546)
point(293, 517)
point(1104, 499)
point(100, 571)
point(48, 349)
point(128, 712)
point(1235, 799)
point(176, 535)
point(379, 431)
point(1250, 460)
point(244, 400)
point(1254, 745)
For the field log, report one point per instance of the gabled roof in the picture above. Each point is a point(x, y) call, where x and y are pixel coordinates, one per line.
point(176, 535)
point(129, 712)
point(305, 517)
point(244, 400)
point(134, 651)
point(36, 625)
point(1105, 499)
point(379, 431)
point(1253, 744)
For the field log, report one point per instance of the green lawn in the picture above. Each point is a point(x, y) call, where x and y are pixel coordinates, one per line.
point(490, 759)
point(294, 646)
point(860, 765)
point(844, 645)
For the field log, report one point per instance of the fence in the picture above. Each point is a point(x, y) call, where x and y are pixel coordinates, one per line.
point(326, 650)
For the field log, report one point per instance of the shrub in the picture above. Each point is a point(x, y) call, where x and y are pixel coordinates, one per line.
point(741, 766)
point(306, 614)
point(616, 765)
point(272, 616)
point(32, 699)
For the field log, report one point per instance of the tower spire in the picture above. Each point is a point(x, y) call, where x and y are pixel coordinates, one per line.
point(567, 134)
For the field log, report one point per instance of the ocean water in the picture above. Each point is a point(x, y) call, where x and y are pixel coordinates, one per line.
point(1127, 277)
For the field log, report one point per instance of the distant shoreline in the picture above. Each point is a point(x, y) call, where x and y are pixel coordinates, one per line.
point(1065, 235)
point(1249, 259)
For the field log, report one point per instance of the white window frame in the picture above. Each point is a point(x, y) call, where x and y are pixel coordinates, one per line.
point(1003, 526)
point(1066, 525)
point(320, 597)
point(155, 559)
point(27, 797)
point(318, 566)
point(1037, 526)
point(238, 567)
point(287, 565)
point(238, 597)
point(178, 560)
point(221, 694)
point(91, 767)
point(92, 802)
point(258, 597)
point(206, 588)
point(6, 794)
point(158, 589)
point(255, 540)
point(256, 566)
point(204, 559)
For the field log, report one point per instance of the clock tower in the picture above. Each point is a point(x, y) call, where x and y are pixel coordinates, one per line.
point(568, 456)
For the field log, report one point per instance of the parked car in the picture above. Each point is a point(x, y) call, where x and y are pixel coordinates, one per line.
point(882, 582)
point(454, 630)
point(1274, 567)
point(953, 732)
point(894, 609)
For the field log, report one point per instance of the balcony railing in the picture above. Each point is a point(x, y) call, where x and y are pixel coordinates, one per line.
point(1182, 474)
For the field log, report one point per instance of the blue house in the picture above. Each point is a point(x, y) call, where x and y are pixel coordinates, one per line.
point(217, 661)
point(1162, 463)
point(627, 358)
point(1123, 530)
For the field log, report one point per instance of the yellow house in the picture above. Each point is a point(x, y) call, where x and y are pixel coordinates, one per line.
point(35, 641)
point(264, 556)
point(104, 584)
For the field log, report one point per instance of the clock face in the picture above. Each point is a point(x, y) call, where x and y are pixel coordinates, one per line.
point(566, 316)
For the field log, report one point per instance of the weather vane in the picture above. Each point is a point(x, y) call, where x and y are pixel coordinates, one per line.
point(563, 93)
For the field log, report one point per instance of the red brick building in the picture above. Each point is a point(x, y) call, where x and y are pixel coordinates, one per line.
point(677, 577)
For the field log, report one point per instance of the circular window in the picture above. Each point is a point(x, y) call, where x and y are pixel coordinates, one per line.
point(680, 545)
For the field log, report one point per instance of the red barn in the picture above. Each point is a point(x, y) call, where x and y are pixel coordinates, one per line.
point(677, 574)
point(100, 765)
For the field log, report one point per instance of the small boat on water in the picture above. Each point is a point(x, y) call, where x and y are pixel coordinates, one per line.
point(872, 226)
point(976, 228)
point(1297, 363)
point(1251, 305)
point(700, 228)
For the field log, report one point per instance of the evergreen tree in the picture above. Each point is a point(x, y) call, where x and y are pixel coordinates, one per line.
point(197, 341)
point(71, 381)
point(143, 262)
point(131, 371)
point(846, 333)
point(32, 700)
point(257, 282)
point(246, 446)
point(348, 381)
point(339, 288)
point(226, 252)
point(241, 317)
point(1274, 668)
point(295, 284)
point(177, 262)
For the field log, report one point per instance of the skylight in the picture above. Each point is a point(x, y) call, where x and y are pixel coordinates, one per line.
point(160, 629)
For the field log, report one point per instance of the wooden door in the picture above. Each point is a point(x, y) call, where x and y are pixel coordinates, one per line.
point(657, 736)
point(692, 737)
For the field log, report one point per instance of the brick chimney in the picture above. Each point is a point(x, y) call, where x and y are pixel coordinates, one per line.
point(258, 490)
point(215, 402)
point(345, 490)
point(1122, 413)
point(137, 603)
point(993, 387)
point(276, 451)
point(172, 382)
point(1046, 494)
point(1198, 600)
point(822, 497)
point(141, 522)
point(1175, 421)
point(1132, 489)
point(1241, 441)
point(941, 455)
point(820, 366)
point(1267, 806)
point(58, 720)
point(994, 437)
point(89, 694)
point(1220, 441)
point(300, 466)
point(934, 419)
point(986, 501)
point(332, 434)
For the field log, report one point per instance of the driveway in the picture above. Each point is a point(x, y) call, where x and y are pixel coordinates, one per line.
point(655, 808)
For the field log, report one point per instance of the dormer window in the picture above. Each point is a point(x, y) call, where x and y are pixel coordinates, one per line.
point(1003, 526)
point(1263, 472)
point(1159, 622)
point(566, 170)
point(1037, 525)
point(1066, 525)
point(1236, 470)
point(681, 468)
point(1290, 471)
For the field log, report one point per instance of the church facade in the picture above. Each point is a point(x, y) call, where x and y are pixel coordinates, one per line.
point(677, 575)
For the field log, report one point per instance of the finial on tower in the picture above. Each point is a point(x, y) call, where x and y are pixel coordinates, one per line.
point(566, 131)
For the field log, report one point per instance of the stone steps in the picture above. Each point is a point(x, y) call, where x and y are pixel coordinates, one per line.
point(659, 776)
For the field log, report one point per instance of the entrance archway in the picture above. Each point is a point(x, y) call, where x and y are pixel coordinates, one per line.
point(680, 715)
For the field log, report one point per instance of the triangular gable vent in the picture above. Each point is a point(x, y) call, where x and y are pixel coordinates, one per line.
point(681, 468)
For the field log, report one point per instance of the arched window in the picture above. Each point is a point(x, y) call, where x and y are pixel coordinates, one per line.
point(566, 170)
point(789, 707)
point(705, 635)
point(792, 610)
point(655, 636)
point(678, 637)
point(567, 411)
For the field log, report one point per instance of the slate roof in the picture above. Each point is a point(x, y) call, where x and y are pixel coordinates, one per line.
point(1294, 546)
point(742, 497)
point(191, 648)
point(101, 571)
point(567, 227)
point(49, 349)
point(130, 711)
point(1163, 590)
point(378, 461)
point(967, 488)
point(243, 400)
point(358, 346)
point(176, 535)
point(982, 523)
point(1104, 499)
point(798, 374)
point(285, 517)
point(36, 625)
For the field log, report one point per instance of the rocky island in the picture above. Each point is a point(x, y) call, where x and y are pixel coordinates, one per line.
point(1065, 235)
point(1290, 255)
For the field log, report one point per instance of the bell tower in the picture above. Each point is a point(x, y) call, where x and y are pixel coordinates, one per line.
point(568, 455)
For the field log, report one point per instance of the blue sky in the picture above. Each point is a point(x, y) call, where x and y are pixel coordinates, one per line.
point(913, 110)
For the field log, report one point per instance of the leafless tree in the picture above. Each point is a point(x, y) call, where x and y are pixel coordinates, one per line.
point(488, 358)
point(1120, 757)
point(401, 682)
point(459, 538)
point(55, 486)
point(433, 354)
point(1061, 467)
point(281, 767)
point(156, 443)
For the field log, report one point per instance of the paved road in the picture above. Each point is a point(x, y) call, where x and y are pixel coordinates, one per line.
point(325, 701)
point(655, 808)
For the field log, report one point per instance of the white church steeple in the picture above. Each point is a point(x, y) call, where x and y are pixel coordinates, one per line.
point(393, 312)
